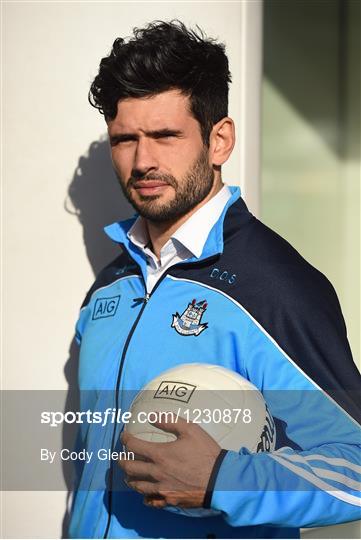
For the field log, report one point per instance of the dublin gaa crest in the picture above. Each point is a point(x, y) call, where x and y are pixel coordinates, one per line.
point(189, 323)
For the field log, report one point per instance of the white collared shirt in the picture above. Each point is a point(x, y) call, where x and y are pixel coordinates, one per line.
point(183, 243)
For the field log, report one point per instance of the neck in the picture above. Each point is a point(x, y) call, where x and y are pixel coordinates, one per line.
point(160, 233)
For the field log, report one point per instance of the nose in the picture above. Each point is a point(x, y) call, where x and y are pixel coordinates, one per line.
point(145, 159)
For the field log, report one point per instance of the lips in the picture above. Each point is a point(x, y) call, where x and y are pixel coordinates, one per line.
point(149, 188)
point(149, 184)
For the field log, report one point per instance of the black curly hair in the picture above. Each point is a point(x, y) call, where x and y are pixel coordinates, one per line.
point(164, 56)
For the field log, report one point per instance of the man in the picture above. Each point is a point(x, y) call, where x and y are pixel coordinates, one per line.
point(271, 317)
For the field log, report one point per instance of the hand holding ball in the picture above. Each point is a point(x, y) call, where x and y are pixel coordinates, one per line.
point(228, 407)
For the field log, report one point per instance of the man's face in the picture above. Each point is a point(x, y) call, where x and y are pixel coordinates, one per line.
point(159, 156)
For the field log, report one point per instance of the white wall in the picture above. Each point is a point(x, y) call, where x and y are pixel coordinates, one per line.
point(52, 144)
point(51, 53)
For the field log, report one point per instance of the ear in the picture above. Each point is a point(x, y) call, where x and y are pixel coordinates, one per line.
point(221, 141)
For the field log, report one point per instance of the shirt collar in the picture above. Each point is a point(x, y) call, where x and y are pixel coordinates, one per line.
point(138, 233)
point(201, 221)
point(118, 233)
point(194, 232)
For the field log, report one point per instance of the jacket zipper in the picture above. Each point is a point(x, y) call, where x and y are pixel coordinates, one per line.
point(126, 345)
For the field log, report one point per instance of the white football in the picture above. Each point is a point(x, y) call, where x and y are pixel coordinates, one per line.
point(227, 406)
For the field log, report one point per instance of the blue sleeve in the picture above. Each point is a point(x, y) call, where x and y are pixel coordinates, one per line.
point(290, 489)
point(313, 476)
point(80, 325)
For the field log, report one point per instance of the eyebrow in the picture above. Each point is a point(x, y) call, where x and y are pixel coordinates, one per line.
point(154, 134)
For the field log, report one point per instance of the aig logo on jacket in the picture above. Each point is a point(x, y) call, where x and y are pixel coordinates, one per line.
point(189, 323)
point(105, 307)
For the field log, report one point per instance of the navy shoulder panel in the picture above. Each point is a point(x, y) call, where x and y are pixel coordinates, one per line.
point(292, 301)
point(122, 266)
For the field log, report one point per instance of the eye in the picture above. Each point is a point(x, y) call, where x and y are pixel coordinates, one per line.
point(164, 136)
point(121, 139)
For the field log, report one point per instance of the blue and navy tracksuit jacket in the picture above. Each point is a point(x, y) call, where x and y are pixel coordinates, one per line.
point(272, 318)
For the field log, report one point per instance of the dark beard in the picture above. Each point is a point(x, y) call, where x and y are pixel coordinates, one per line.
point(192, 189)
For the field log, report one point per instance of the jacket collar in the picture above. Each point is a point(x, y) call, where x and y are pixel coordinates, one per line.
point(214, 244)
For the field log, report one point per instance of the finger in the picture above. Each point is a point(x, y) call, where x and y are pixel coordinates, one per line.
point(137, 468)
point(154, 501)
point(128, 480)
point(143, 487)
point(146, 449)
point(178, 427)
point(171, 498)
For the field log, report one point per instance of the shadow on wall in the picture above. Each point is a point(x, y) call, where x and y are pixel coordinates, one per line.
point(95, 197)
point(97, 200)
